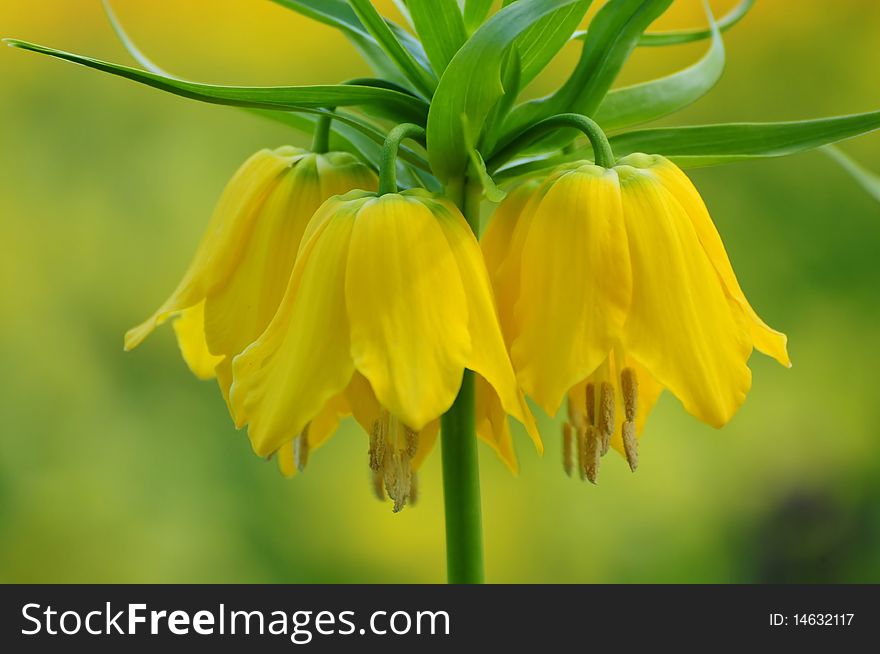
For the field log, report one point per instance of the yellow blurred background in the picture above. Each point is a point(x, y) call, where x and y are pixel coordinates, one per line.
point(123, 468)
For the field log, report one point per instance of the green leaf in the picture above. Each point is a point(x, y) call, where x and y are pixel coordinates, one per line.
point(511, 79)
point(441, 28)
point(490, 190)
point(641, 103)
point(542, 41)
point(286, 98)
point(675, 37)
point(711, 145)
point(868, 180)
point(338, 14)
point(471, 84)
point(613, 33)
point(376, 25)
point(475, 12)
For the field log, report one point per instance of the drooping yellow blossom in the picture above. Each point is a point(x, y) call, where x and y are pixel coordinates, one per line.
point(388, 303)
point(237, 278)
point(613, 284)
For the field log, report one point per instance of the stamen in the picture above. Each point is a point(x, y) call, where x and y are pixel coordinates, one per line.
point(630, 444)
point(606, 443)
point(301, 450)
point(393, 446)
point(591, 403)
point(629, 388)
point(377, 446)
point(582, 452)
point(606, 414)
point(378, 484)
point(413, 489)
point(567, 439)
point(412, 442)
point(593, 454)
point(575, 414)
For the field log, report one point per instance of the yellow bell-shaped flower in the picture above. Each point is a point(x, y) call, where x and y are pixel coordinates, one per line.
point(388, 303)
point(237, 278)
point(614, 284)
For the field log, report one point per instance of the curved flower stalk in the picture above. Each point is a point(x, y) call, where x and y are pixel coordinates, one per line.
point(236, 279)
point(614, 284)
point(388, 303)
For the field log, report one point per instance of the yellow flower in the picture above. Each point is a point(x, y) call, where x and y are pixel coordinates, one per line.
point(388, 303)
point(614, 284)
point(234, 284)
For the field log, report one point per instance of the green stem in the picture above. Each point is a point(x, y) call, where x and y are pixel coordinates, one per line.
point(321, 139)
point(461, 470)
point(388, 165)
point(601, 147)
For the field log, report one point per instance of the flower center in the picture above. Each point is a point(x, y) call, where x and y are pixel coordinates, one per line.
point(592, 421)
point(392, 448)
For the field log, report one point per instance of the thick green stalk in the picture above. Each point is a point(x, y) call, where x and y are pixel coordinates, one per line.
point(461, 469)
point(602, 153)
point(321, 139)
point(388, 165)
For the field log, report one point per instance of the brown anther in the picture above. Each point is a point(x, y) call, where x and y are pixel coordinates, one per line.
point(413, 489)
point(593, 454)
point(606, 409)
point(606, 442)
point(629, 388)
point(582, 452)
point(378, 483)
point(398, 482)
point(576, 414)
point(630, 444)
point(567, 442)
point(301, 450)
point(591, 403)
point(412, 442)
point(377, 446)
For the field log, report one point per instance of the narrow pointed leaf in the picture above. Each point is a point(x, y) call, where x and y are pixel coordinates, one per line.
point(711, 145)
point(542, 41)
point(471, 84)
point(376, 25)
point(613, 33)
point(648, 101)
point(475, 12)
point(441, 28)
point(338, 14)
point(867, 180)
point(262, 97)
point(678, 37)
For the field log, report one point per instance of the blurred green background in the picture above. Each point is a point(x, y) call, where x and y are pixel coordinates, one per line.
point(123, 468)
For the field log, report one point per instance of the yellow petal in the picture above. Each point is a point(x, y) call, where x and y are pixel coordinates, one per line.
point(766, 339)
point(575, 283)
point(682, 326)
point(407, 309)
point(239, 310)
point(321, 428)
point(222, 244)
point(488, 355)
point(492, 425)
point(302, 360)
point(427, 440)
point(502, 245)
point(189, 328)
